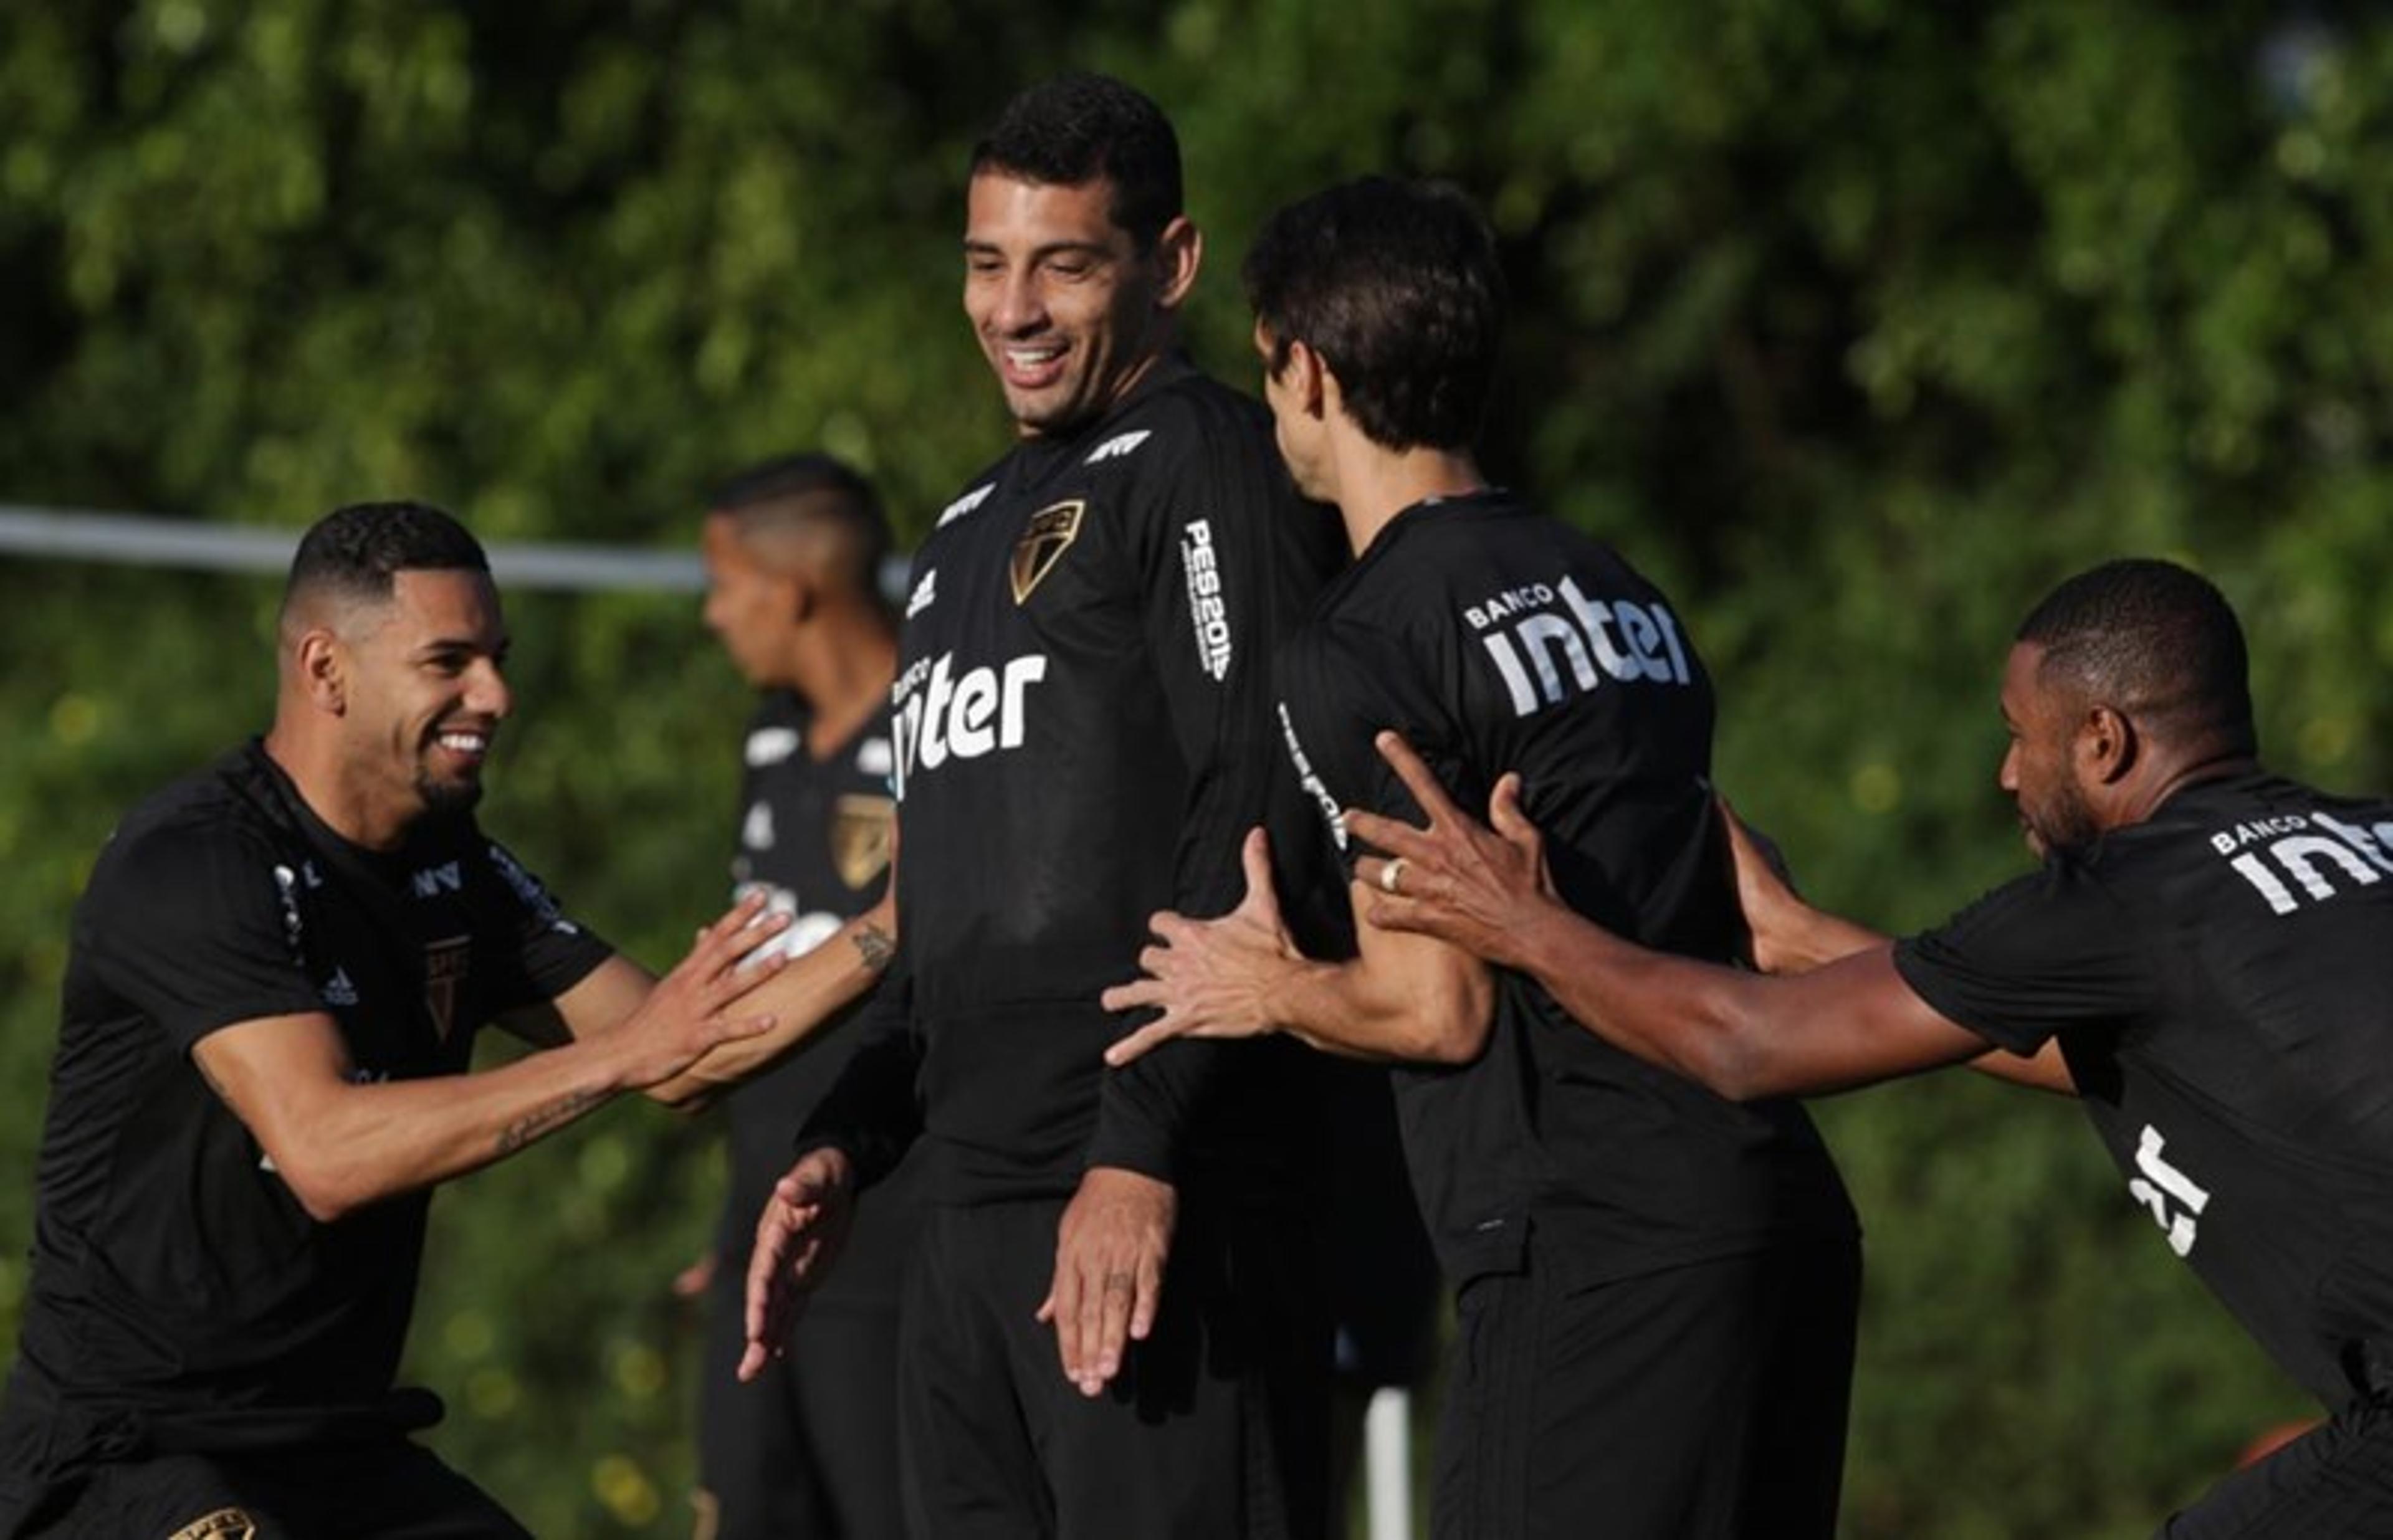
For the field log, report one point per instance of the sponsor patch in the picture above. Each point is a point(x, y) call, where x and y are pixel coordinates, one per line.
point(1044, 539)
point(1207, 611)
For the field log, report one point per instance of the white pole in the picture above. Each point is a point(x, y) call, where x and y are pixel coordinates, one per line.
point(1388, 1463)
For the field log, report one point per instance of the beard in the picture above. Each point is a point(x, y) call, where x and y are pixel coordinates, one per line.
point(446, 799)
point(2063, 826)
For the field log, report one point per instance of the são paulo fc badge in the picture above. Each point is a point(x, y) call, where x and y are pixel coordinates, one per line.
point(445, 965)
point(224, 1523)
point(1044, 539)
point(860, 837)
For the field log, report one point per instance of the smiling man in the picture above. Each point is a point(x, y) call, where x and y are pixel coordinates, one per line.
point(1107, 1327)
point(2205, 946)
point(272, 989)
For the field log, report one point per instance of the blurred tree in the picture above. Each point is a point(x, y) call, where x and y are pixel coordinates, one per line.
point(1858, 323)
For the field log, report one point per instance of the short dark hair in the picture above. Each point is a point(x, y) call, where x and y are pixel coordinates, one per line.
point(1396, 286)
point(802, 498)
point(2155, 641)
point(1075, 128)
point(354, 552)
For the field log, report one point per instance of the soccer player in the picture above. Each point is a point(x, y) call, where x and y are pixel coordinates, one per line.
point(1111, 1323)
point(794, 551)
point(2205, 947)
point(273, 988)
point(1657, 1288)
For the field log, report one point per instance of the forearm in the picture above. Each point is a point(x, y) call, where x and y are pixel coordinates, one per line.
point(1689, 1017)
point(354, 1144)
point(1347, 1009)
point(1794, 937)
point(807, 995)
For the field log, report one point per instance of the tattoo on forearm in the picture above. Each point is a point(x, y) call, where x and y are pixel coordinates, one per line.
point(874, 945)
point(538, 1121)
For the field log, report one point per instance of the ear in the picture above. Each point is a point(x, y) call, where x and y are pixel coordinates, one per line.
point(1179, 252)
point(1306, 377)
point(322, 667)
point(2107, 747)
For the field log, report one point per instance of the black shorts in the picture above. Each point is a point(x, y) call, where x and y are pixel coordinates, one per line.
point(1215, 1429)
point(394, 1491)
point(1702, 1403)
point(2336, 1480)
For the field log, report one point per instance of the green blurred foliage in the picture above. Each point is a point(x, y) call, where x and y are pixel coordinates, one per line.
point(1857, 324)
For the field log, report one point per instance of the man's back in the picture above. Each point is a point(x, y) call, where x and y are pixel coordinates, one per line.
point(1495, 639)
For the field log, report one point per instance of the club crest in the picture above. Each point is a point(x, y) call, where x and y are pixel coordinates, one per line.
point(445, 964)
point(1044, 539)
point(860, 837)
point(224, 1523)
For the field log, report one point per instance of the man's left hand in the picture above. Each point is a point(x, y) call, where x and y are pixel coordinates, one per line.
point(1109, 1254)
point(1210, 978)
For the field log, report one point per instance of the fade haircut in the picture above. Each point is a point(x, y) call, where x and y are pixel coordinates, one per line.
point(2154, 641)
point(352, 554)
point(1073, 129)
point(1396, 286)
point(809, 510)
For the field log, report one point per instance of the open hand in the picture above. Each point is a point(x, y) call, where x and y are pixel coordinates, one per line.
point(1110, 1249)
point(1473, 885)
point(689, 1010)
point(798, 1238)
point(1211, 978)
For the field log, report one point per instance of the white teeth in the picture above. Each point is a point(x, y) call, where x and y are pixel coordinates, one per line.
point(1031, 358)
point(463, 743)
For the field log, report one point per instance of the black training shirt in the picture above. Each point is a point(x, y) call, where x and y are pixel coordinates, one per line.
point(1495, 639)
point(2220, 978)
point(181, 1297)
point(1084, 734)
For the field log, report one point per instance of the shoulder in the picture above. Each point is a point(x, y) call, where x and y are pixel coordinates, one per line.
point(1190, 422)
point(197, 837)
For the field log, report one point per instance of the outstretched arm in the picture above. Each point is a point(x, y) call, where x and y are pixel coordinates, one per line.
point(1401, 998)
point(340, 1144)
point(1850, 1023)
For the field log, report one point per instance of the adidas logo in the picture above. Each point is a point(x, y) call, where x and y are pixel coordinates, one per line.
point(1120, 446)
point(338, 990)
point(925, 592)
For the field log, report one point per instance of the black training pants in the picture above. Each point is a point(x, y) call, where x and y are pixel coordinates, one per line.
point(1215, 1429)
point(1701, 1403)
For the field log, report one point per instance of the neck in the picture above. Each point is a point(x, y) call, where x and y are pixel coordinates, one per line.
point(1374, 485)
point(844, 674)
point(346, 805)
point(2146, 799)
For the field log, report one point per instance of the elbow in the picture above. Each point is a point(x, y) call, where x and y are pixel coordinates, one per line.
point(1734, 1062)
point(324, 1195)
point(1452, 1029)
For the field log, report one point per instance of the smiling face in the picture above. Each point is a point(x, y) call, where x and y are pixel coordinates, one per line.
point(1067, 310)
point(2039, 768)
point(424, 693)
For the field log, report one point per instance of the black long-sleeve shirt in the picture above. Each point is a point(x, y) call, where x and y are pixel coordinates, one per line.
point(1083, 734)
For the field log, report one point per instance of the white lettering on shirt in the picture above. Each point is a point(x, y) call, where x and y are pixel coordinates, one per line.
point(2158, 1184)
point(940, 714)
point(1208, 610)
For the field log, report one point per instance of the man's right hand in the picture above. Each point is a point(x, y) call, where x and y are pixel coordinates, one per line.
point(689, 1010)
point(798, 1239)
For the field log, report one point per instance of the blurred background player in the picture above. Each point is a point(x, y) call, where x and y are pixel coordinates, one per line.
point(793, 553)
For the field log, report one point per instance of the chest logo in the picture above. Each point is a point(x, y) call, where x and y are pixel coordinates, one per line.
point(444, 977)
point(224, 1523)
point(1044, 539)
point(860, 837)
point(2175, 1199)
